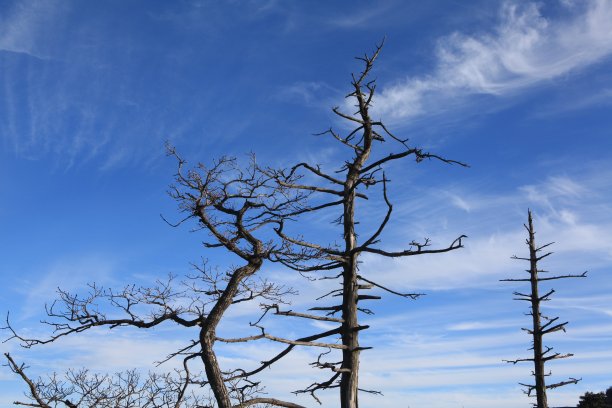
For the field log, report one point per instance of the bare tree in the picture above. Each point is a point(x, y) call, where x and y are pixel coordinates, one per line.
point(233, 206)
point(541, 324)
point(249, 213)
point(360, 177)
point(81, 388)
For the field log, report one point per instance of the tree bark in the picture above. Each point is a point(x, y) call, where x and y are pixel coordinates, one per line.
point(208, 333)
point(349, 381)
point(538, 358)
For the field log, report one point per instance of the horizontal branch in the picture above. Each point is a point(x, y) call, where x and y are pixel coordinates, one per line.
point(557, 327)
point(515, 280)
point(557, 356)
point(334, 255)
point(582, 275)
point(518, 360)
point(304, 315)
point(562, 383)
point(406, 295)
point(313, 209)
point(330, 309)
point(264, 335)
point(417, 152)
point(456, 244)
point(268, 363)
point(95, 321)
point(270, 401)
point(317, 189)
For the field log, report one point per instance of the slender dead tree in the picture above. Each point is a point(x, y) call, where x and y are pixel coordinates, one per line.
point(361, 177)
point(541, 324)
point(235, 207)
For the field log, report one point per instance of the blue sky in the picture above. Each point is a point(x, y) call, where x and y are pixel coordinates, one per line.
point(522, 91)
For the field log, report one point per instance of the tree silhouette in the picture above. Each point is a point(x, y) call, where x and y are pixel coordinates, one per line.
point(541, 324)
point(360, 175)
point(593, 400)
point(256, 215)
point(596, 399)
point(234, 206)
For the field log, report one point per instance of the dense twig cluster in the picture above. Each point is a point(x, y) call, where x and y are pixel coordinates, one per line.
point(82, 388)
point(232, 205)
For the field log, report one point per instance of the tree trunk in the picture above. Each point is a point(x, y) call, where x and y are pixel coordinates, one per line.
point(208, 334)
point(349, 381)
point(540, 384)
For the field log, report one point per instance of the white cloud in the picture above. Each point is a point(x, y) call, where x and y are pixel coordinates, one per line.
point(23, 28)
point(482, 325)
point(557, 188)
point(360, 19)
point(525, 49)
point(598, 304)
point(408, 362)
point(460, 202)
point(593, 99)
point(482, 262)
point(571, 211)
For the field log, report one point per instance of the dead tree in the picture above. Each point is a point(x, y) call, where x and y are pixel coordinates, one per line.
point(361, 177)
point(81, 388)
point(237, 208)
point(541, 324)
point(233, 206)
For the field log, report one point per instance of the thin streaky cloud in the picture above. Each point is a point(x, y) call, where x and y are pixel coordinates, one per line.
point(525, 49)
point(597, 99)
point(359, 19)
point(482, 325)
point(23, 27)
point(70, 274)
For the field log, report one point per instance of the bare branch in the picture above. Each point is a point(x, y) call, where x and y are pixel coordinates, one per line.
point(541, 353)
point(19, 369)
point(270, 401)
point(405, 295)
point(456, 244)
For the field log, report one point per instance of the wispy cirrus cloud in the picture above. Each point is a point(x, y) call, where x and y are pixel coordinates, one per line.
point(69, 274)
point(526, 48)
point(482, 325)
point(24, 27)
point(307, 93)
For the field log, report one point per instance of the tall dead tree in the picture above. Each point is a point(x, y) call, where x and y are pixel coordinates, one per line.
point(338, 191)
point(233, 206)
point(541, 324)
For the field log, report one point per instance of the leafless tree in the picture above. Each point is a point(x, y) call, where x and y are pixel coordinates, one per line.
point(541, 324)
point(250, 214)
point(234, 206)
point(360, 177)
point(82, 388)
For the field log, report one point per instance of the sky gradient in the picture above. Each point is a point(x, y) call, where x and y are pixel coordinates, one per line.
point(519, 90)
